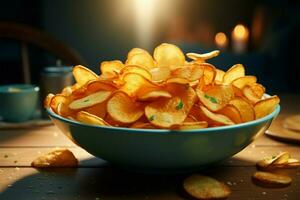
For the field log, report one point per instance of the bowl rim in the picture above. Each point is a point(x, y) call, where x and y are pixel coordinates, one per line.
point(168, 131)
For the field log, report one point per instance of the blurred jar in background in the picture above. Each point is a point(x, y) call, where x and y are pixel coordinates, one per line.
point(53, 79)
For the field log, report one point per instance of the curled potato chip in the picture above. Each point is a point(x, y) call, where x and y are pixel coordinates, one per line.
point(266, 106)
point(273, 161)
point(215, 118)
point(190, 125)
point(98, 109)
point(90, 100)
point(178, 80)
point(201, 58)
point(253, 92)
point(47, 100)
point(148, 94)
point(204, 187)
point(83, 75)
point(267, 179)
point(241, 82)
point(209, 73)
point(216, 97)
point(97, 85)
point(236, 71)
point(137, 70)
point(167, 112)
point(67, 91)
point(231, 112)
point(57, 101)
point(123, 109)
point(168, 55)
point(135, 51)
point(189, 72)
point(56, 158)
point(160, 74)
point(219, 76)
point(246, 110)
point(143, 59)
point(88, 118)
point(134, 82)
point(111, 67)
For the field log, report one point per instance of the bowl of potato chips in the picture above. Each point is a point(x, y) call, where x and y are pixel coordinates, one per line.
point(163, 112)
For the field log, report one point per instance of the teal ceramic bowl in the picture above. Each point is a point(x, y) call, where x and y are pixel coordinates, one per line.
point(163, 151)
point(18, 102)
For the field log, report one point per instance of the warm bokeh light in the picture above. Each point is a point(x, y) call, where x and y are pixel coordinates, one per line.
point(221, 40)
point(240, 32)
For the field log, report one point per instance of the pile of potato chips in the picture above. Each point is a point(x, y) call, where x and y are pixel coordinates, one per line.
point(164, 91)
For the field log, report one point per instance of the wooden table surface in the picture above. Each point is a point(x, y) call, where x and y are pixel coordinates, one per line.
point(96, 179)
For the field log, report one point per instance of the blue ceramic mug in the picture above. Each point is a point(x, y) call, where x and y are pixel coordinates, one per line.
point(18, 102)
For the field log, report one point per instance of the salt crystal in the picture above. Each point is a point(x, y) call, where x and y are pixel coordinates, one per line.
point(234, 183)
point(229, 183)
point(241, 180)
point(17, 168)
point(264, 193)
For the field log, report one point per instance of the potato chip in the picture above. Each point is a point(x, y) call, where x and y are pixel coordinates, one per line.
point(258, 90)
point(250, 95)
point(123, 109)
point(136, 70)
point(83, 75)
point(219, 76)
point(189, 72)
point(204, 187)
point(246, 110)
point(209, 73)
point(267, 179)
point(216, 97)
point(143, 59)
point(178, 80)
point(135, 51)
point(92, 99)
point(111, 67)
point(241, 82)
point(236, 71)
point(98, 109)
point(266, 106)
point(97, 85)
point(190, 125)
point(167, 112)
point(134, 82)
point(67, 91)
point(149, 94)
point(201, 58)
point(231, 112)
point(160, 74)
point(47, 100)
point(168, 55)
point(216, 119)
point(56, 158)
point(56, 101)
point(88, 118)
point(281, 158)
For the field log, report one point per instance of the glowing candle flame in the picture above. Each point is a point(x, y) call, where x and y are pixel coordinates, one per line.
point(240, 32)
point(240, 37)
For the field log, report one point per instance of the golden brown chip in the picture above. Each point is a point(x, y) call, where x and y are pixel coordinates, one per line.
point(88, 118)
point(267, 179)
point(123, 109)
point(90, 100)
point(266, 106)
point(189, 72)
point(142, 59)
point(232, 113)
point(216, 119)
point(201, 58)
point(59, 104)
point(56, 158)
point(99, 109)
point(270, 161)
point(142, 125)
point(111, 67)
point(83, 75)
point(204, 187)
point(137, 70)
point(246, 110)
point(236, 71)
point(150, 94)
point(241, 82)
point(209, 73)
point(219, 76)
point(48, 99)
point(216, 97)
point(168, 55)
point(160, 74)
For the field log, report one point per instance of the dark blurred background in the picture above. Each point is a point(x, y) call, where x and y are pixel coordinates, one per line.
point(263, 35)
